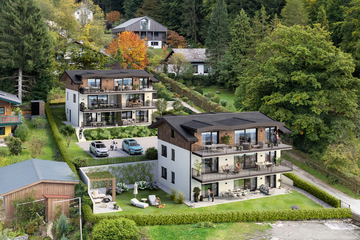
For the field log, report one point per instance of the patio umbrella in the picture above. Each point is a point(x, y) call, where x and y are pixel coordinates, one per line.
point(135, 189)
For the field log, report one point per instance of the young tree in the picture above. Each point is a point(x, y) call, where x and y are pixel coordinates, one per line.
point(179, 62)
point(218, 36)
point(322, 18)
point(14, 146)
point(161, 105)
point(68, 131)
point(175, 40)
point(113, 16)
point(36, 145)
point(293, 13)
point(62, 226)
point(25, 45)
point(303, 80)
point(133, 50)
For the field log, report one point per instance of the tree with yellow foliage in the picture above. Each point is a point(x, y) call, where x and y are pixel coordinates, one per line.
point(132, 48)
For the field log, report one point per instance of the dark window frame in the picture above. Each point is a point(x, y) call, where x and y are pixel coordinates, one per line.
point(172, 133)
point(173, 154)
point(2, 130)
point(196, 68)
point(164, 172)
point(2, 112)
point(164, 151)
point(172, 177)
point(74, 96)
point(245, 139)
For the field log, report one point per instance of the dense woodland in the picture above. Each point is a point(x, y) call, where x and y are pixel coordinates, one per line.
point(295, 60)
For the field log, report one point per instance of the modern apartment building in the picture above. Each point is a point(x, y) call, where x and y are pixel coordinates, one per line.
point(108, 97)
point(220, 151)
point(8, 118)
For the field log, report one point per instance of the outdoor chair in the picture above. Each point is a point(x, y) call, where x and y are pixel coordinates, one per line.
point(152, 200)
point(96, 194)
point(258, 167)
point(138, 204)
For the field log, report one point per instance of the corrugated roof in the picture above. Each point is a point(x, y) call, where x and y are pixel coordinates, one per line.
point(191, 54)
point(9, 98)
point(185, 125)
point(129, 22)
point(24, 173)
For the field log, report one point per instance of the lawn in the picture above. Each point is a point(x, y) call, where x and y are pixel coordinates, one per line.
point(237, 230)
point(48, 150)
point(224, 94)
point(279, 202)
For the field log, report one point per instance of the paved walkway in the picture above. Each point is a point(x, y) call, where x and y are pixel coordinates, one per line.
point(188, 106)
point(354, 203)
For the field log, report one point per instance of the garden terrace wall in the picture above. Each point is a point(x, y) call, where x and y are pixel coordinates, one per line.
point(312, 189)
point(198, 99)
point(226, 216)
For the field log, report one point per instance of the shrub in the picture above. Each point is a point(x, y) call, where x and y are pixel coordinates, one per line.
point(62, 226)
point(171, 75)
point(22, 131)
point(210, 94)
point(151, 153)
point(123, 186)
point(141, 185)
point(6, 138)
point(177, 105)
point(36, 144)
point(317, 192)
point(188, 110)
point(105, 134)
point(295, 207)
point(67, 131)
point(198, 89)
point(152, 185)
point(39, 122)
point(80, 162)
point(172, 194)
point(116, 229)
point(204, 225)
point(223, 102)
point(14, 146)
point(190, 103)
point(185, 99)
point(180, 197)
point(216, 99)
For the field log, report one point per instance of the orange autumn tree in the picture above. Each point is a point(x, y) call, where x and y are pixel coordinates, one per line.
point(132, 48)
point(113, 16)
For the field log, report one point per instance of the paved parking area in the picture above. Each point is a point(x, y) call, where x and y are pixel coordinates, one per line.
point(145, 142)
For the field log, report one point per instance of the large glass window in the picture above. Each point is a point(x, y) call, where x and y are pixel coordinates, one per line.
point(206, 69)
point(144, 24)
point(269, 134)
point(2, 110)
point(246, 135)
point(94, 100)
point(126, 115)
point(270, 181)
point(250, 183)
point(270, 156)
point(163, 172)
point(88, 118)
point(249, 160)
point(239, 137)
point(142, 116)
point(211, 165)
point(239, 183)
point(134, 98)
point(211, 186)
point(144, 83)
point(2, 130)
point(118, 82)
point(251, 135)
point(108, 117)
point(163, 150)
point(127, 83)
point(94, 83)
point(209, 138)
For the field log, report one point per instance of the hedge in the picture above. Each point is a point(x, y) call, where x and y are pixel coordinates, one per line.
point(312, 189)
point(197, 98)
point(119, 132)
point(59, 141)
point(225, 216)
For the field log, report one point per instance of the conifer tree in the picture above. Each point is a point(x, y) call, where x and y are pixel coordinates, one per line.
point(25, 45)
point(322, 18)
point(191, 18)
point(218, 36)
point(293, 13)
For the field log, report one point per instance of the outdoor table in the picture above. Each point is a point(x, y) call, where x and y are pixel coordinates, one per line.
point(144, 199)
point(93, 124)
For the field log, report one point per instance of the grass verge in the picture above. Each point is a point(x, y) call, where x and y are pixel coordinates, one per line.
point(224, 94)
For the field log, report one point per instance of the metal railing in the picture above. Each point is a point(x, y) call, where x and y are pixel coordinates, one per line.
point(222, 174)
point(11, 119)
point(84, 90)
point(127, 104)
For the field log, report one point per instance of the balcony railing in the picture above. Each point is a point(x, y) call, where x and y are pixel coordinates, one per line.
point(115, 106)
point(219, 149)
point(119, 89)
point(15, 119)
point(222, 174)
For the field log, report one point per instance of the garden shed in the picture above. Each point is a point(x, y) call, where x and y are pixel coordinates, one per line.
point(48, 180)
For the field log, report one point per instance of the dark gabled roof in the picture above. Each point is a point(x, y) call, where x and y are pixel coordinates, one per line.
point(130, 22)
point(77, 75)
point(285, 130)
point(193, 55)
point(7, 97)
point(186, 125)
point(24, 173)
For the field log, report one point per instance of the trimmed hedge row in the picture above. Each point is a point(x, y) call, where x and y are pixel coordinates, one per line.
point(226, 216)
point(197, 98)
point(59, 141)
point(312, 189)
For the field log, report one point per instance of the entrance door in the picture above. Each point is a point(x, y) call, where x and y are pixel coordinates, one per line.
point(250, 183)
point(212, 186)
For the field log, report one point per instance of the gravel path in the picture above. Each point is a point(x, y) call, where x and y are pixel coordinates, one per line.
point(310, 196)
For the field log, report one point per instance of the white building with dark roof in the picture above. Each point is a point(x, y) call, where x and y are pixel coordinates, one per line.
point(193, 152)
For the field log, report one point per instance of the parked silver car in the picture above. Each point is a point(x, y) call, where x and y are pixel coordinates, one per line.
point(99, 149)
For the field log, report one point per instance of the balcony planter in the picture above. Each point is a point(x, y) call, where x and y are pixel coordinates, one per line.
point(198, 166)
point(148, 102)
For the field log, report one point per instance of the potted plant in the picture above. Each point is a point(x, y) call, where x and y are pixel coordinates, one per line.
point(136, 86)
point(226, 139)
point(116, 206)
point(117, 119)
point(148, 102)
point(278, 161)
point(198, 166)
point(269, 144)
point(272, 145)
point(196, 192)
point(106, 89)
point(201, 198)
point(280, 180)
point(237, 147)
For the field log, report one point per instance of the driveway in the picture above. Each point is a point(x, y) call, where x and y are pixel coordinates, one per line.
point(145, 142)
point(354, 203)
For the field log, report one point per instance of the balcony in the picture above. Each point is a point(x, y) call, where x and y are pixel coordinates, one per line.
point(120, 89)
point(114, 107)
point(10, 120)
point(224, 149)
point(222, 175)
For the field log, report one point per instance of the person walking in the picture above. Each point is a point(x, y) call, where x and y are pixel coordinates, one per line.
point(116, 146)
point(112, 144)
point(209, 192)
point(212, 196)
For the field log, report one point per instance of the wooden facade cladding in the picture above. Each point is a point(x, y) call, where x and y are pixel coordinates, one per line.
point(40, 189)
point(164, 133)
point(70, 85)
point(7, 106)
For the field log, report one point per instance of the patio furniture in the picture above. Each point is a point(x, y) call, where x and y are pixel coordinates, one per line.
point(103, 205)
point(258, 167)
point(106, 200)
point(138, 204)
point(144, 200)
point(260, 145)
point(257, 191)
point(246, 146)
point(152, 200)
point(264, 189)
point(97, 200)
point(268, 165)
point(96, 194)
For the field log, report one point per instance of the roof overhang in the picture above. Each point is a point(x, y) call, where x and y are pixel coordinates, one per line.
point(235, 127)
point(55, 196)
point(7, 100)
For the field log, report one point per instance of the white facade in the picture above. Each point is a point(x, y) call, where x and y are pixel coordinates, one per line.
point(199, 69)
point(84, 14)
point(155, 44)
point(180, 166)
point(72, 106)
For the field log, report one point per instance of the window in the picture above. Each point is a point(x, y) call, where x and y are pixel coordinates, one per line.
point(172, 133)
point(67, 111)
point(142, 116)
point(247, 135)
point(2, 110)
point(67, 96)
point(126, 115)
point(195, 68)
point(269, 134)
point(154, 44)
point(163, 151)
point(94, 83)
point(74, 98)
point(163, 173)
point(206, 69)
point(209, 138)
point(144, 24)
point(172, 177)
point(173, 154)
point(2, 130)
point(156, 34)
point(211, 165)
point(144, 83)
point(270, 156)
point(246, 160)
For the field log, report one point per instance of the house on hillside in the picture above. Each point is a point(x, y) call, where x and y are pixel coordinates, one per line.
point(220, 151)
point(8, 118)
point(109, 97)
point(154, 32)
point(195, 56)
point(48, 180)
point(84, 14)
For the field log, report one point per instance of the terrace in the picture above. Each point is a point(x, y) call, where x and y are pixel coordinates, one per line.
point(11, 120)
point(120, 89)
point(113, 107)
